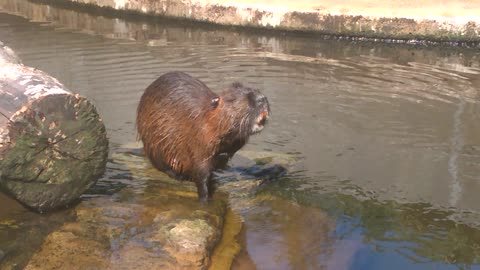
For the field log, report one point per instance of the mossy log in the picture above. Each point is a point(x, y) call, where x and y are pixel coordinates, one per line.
point(53, 144)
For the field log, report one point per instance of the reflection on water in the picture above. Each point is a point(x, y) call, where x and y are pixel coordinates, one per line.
point(283, 234)
point(388, 136)
point(388, 234)
point(457, 145)
point(22, 231)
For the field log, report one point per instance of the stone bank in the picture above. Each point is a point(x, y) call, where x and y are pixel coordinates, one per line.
point(446, 20)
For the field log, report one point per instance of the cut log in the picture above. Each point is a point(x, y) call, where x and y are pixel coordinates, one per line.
point(53, 144)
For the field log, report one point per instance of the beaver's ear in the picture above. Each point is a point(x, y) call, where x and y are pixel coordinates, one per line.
point(214, 102)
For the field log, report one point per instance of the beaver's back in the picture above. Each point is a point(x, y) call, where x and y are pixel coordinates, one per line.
point(171, 121)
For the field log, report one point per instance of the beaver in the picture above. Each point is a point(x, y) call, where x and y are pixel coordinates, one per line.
point(188, 131)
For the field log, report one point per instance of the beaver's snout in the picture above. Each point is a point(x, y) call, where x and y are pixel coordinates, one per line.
point(263, 113)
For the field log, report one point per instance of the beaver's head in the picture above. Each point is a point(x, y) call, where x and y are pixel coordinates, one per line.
point(243, 111)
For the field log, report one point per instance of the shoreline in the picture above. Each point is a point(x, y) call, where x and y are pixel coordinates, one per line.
point(407, 25)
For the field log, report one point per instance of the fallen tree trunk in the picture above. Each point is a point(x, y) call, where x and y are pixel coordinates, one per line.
point(53, 144)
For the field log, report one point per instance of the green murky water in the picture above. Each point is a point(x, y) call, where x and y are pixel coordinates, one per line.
point(386, 137)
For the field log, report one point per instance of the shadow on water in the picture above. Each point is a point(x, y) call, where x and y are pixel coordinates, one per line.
point(385, 138)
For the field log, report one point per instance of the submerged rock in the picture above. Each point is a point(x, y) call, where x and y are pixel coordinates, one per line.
point(65, 249)
point(154, 222)
point(109, 234)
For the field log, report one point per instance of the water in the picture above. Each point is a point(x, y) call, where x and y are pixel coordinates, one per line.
point(388, 136)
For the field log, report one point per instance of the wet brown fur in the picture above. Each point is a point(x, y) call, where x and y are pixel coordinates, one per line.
point(188, 131)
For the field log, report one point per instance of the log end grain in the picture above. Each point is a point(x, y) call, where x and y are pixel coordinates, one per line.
point(53, 151)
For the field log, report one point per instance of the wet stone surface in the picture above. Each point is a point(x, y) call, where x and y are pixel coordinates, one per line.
point(110, 234)
point(114, 235)
point(153, 223)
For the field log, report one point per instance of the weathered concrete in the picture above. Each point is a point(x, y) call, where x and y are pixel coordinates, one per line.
point(448, 20)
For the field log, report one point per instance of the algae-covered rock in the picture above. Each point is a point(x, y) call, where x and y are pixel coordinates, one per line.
point(191, 241)
point(155, 223)
point(269, 158)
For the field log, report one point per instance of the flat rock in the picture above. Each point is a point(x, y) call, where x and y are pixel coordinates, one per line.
point(108, 234)
point(154, 222)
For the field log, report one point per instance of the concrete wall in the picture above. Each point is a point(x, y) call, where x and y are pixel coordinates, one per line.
point(407, 19)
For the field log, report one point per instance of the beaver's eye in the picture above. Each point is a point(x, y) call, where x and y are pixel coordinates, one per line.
point(251, 99)
point(214, 102)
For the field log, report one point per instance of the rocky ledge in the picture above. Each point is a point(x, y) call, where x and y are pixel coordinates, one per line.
point(138, 218)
